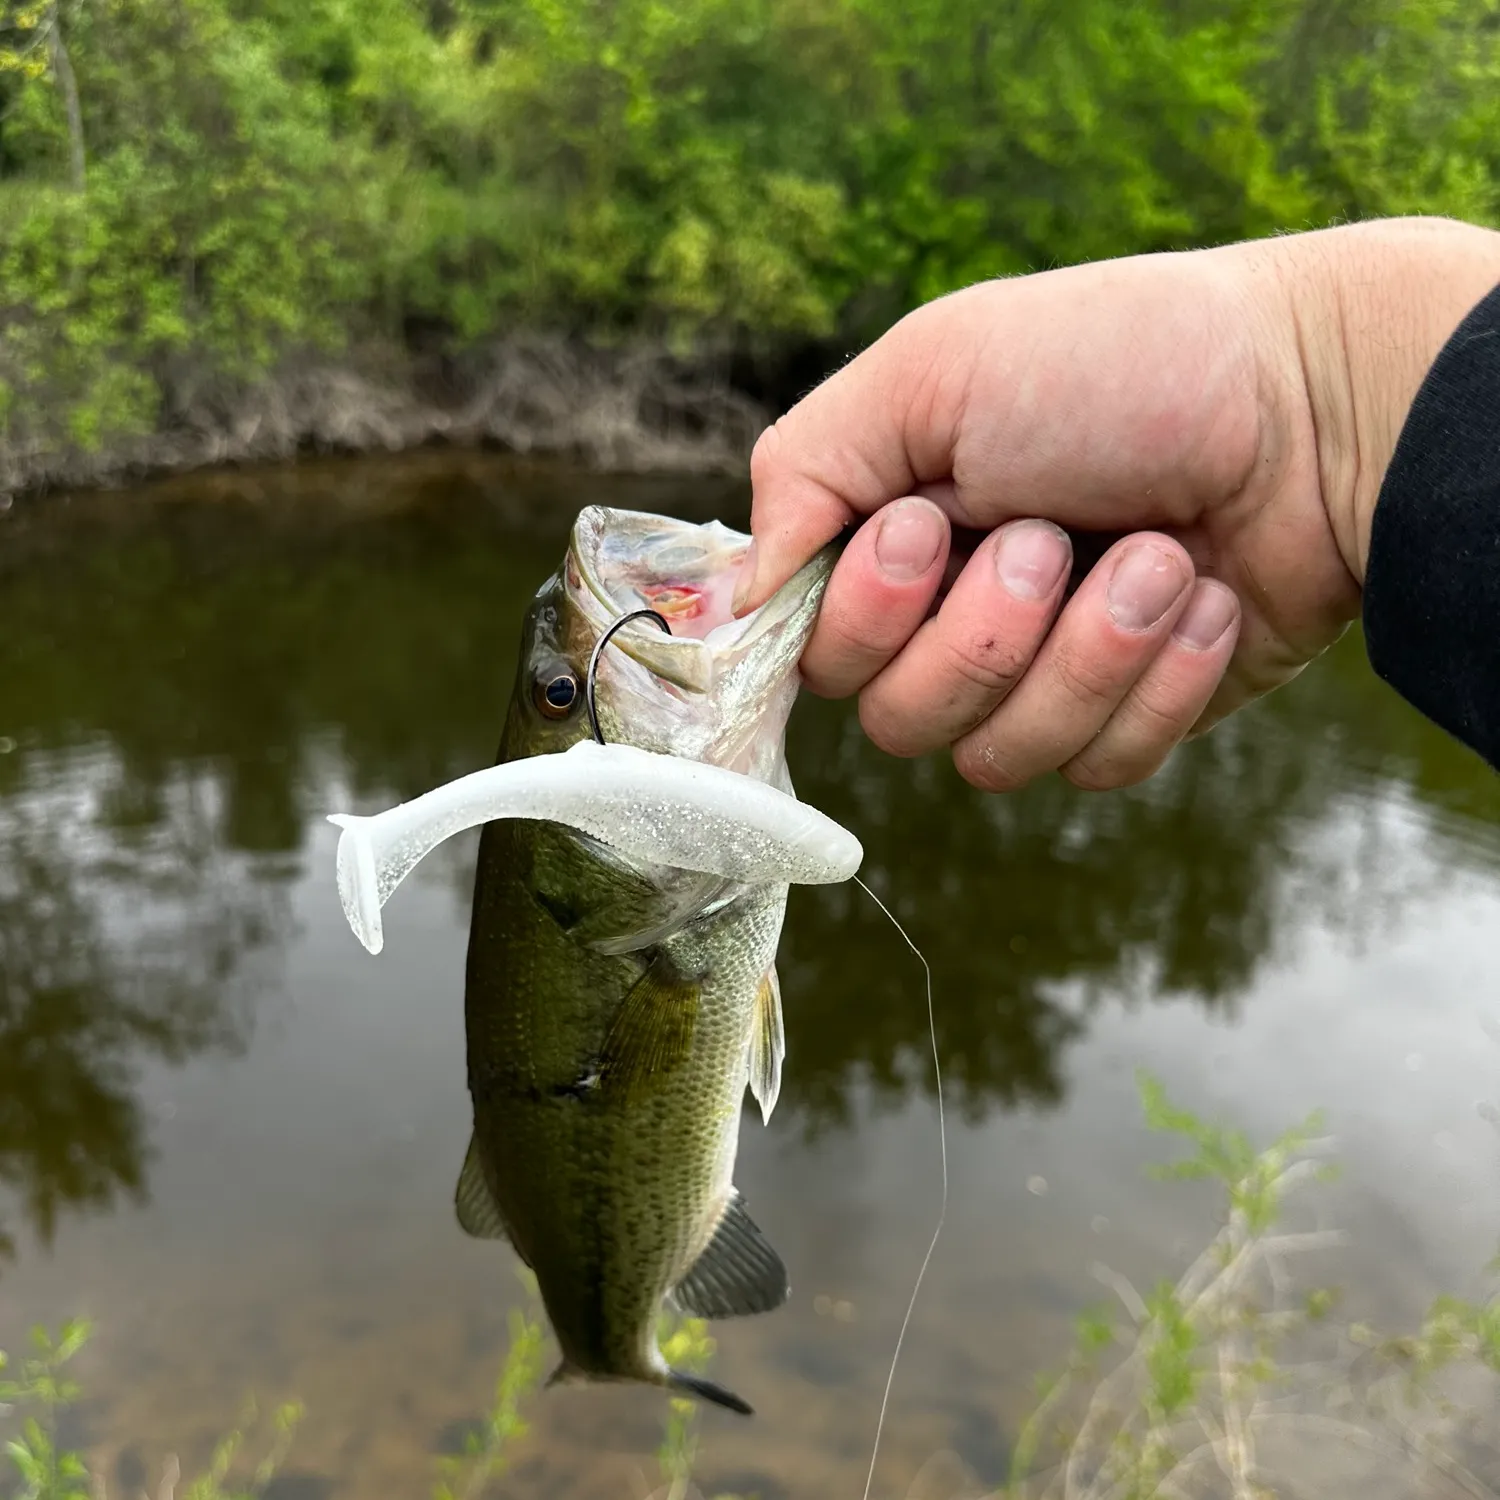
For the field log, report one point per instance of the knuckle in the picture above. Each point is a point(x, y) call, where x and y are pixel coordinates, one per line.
point(870, 629)
point(850, 648)
point(1087, 681)
point(766, 455)
point(852, 636)
point(988, 663)
point(1159, 725)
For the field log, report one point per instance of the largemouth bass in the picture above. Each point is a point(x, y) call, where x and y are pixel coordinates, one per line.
point(615, 1010)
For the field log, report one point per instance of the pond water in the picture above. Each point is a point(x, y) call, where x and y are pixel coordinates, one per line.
point(230, 1136)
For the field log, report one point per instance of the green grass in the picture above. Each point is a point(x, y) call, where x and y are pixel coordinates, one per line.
point(487, 1451)
point(1189, 1389)
point(1214, 1372)
point(40, 1388)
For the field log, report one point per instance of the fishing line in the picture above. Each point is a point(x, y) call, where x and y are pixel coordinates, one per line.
point(599, 645)
point(937, 1073)
point(937, 1070)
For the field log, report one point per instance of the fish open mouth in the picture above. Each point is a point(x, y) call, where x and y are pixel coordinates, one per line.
point(621, 561)
point(686, 573)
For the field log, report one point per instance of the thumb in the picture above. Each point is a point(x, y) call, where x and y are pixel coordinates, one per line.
point(851, 446)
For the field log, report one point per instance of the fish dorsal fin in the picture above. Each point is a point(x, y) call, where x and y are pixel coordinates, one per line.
point(652, 1033)
point(767, 1045)
point(738, 1274)
point(478, 1213)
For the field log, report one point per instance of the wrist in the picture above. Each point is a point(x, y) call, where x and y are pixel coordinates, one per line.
point(1372, 306)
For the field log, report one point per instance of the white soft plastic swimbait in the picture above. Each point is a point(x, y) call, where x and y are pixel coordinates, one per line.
point(659, 809)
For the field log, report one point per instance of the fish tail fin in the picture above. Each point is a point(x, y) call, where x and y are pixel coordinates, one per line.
point(706, 1390)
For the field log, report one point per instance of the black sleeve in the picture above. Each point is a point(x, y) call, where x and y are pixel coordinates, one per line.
point(1432, 577)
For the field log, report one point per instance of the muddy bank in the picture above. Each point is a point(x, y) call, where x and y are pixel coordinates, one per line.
point(634, 411)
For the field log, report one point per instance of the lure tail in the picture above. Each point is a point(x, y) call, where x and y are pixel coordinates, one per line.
point(358, 878)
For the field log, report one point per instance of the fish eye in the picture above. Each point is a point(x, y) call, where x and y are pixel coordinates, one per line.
point(556, 694)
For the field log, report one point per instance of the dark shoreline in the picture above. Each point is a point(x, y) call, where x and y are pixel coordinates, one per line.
point(638, 411)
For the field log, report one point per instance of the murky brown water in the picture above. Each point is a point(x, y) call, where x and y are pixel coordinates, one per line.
point(231, 1137)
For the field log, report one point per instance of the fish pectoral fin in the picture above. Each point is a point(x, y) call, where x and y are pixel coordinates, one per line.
point(478, 1213)
point(653, 1031)
point(738, 1274)
point(767, 1045)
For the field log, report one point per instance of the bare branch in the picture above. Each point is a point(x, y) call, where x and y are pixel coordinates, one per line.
point(67, 84)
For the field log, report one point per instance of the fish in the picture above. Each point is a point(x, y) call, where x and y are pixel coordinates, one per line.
point(617, 1010)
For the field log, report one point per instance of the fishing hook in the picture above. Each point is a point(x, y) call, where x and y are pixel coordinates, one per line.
point(603, 641)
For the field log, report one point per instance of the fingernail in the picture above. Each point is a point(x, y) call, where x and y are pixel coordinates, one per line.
point(1209, 614)
point(1031, 557)
point(746, 581)
point(907, 539)
point(1147, 581)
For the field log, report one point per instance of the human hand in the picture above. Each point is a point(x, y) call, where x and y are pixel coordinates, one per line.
point(1227, 414)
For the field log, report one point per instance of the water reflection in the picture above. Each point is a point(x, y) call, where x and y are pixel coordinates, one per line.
point(125, 934)
point(1032, 908)
point(187, 680)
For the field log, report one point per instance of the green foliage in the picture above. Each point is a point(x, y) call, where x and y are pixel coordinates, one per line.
point(215, 232)
point(685, 1345)
point(486, 1451)
point(1208, 1366)
point(39, 1391)
point(266, 178)
point(1253, 1179)
point(23, 51)
point(1171, 1360)
point(1453, 1330)
point(215, 1482)
point(42, 1389)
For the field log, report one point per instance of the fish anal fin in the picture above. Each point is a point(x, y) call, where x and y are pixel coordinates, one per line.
point(478, 1214)
point(737, 1274)
point(652, 1033)
point(767, 1045)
